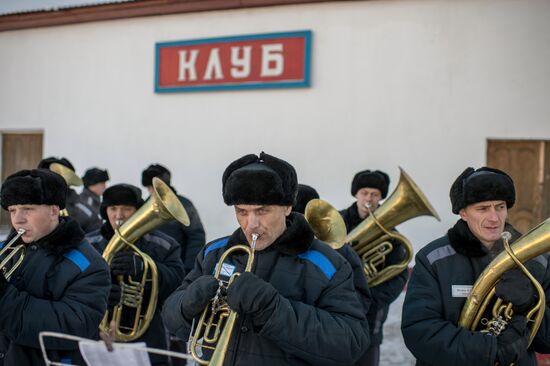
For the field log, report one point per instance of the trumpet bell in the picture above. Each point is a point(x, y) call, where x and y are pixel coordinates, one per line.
point(70, 176)
point(326, 222)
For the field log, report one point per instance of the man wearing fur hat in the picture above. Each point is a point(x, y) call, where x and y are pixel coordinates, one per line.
point(447, 268)
point(369, 188)
point(75, 208)
point(95, 183)
point(191, 237)
point(119, 203)
point(62, 284)
point(297, 306)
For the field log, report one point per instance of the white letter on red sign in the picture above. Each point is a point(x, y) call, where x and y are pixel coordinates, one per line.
point(214, 65)
point(241, 66)
point(272, 54)
point(187, 65)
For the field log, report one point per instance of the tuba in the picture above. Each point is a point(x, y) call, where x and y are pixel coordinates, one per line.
point(371, 238)
point(216, 323)
point(70, 178)
point(163, 206)
point(326, 222)
point(530, 245)
point(11, 250)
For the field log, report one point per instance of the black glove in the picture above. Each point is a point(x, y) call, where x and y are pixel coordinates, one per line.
point(249, 294)
point(516, 288)
point(114, 296)
point(3, 284)
point(512, 342)
point(197, 295)
point(127, 263)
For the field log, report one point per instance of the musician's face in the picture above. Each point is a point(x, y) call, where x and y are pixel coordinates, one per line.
point(485, 220)
point(370, 196)
point(118, 214)
point(269, 222)
point(37, 220)
point(98, 188)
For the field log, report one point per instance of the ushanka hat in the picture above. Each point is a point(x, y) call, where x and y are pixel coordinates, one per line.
point(34, 187)
point(155, 170)
point(94, 175)
point(305, 194)
point(483, 184)
point(371, 179)
point(259, 180)
point(120, 194)
point(46, 162)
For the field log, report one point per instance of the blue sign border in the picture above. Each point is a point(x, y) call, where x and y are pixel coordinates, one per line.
point(305, 83)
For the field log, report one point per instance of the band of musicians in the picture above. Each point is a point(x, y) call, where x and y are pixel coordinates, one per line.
point(297, 282)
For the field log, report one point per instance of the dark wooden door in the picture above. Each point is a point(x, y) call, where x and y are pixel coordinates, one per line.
point(19, 151)
point(528, 163)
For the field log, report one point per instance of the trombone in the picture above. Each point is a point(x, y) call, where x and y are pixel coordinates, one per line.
point(13, 251)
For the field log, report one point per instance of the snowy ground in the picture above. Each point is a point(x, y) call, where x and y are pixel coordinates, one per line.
point(393, 351)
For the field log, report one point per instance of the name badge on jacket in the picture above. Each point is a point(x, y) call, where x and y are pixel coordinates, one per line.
point(461, 290)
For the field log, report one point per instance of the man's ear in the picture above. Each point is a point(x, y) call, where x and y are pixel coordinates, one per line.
point(288, 210)
point(55, 210)
point(463, 214)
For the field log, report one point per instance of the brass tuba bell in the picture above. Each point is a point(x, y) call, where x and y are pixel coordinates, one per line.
point(530, 245)
point(371, 238)
point(163, 206)
point(70, 178)
point(326, 222)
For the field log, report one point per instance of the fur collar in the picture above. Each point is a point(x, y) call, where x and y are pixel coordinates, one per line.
point(106, 230)
point(464, 242)
point(66, 236)
point(296, 239)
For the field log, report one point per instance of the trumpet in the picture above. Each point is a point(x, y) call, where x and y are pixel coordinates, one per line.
point(13, 251)
point(216, 323)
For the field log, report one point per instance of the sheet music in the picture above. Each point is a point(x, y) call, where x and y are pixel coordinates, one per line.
point(96, 354)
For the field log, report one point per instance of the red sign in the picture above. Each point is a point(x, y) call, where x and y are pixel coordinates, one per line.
point(275, 60)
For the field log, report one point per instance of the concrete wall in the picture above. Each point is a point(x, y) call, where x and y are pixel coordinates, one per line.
point(419, 84)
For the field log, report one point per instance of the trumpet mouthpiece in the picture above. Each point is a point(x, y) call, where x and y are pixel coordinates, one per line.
point(506, 235)
point(21, 231)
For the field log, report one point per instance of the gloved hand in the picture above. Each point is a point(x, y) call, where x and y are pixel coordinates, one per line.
point(114, 296)
point(516, 288)
point(512, 342)
point(197, 295)
point(249, 294)
point(127, 263)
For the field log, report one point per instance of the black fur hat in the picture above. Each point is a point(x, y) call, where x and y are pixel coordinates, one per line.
point(95, 175)
point(155, 170)
point(259, 180)
point(305, 194)
point(483, 184)
point(120, 194)
point(45, 163)
point(34, 187)
point(376, 179)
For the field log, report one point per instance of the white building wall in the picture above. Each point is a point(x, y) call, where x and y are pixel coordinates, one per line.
point(419, 84)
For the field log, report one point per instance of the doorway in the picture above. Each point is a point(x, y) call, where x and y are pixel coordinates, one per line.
point(19, 151)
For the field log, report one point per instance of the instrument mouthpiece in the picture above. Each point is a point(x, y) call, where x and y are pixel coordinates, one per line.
point(21, 231)
point(254, 238)
point(506, 235)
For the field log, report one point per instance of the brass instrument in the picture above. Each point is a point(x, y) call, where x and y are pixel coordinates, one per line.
point(326, 222)
point(161, 207)
point(70, 178)
point(371, 238)
point(530, 245)
point(216, 323)
point(13, 251)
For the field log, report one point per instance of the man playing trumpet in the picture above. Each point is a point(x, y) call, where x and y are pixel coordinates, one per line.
point(447, 268)
point(297, 304)
point(62, 283)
